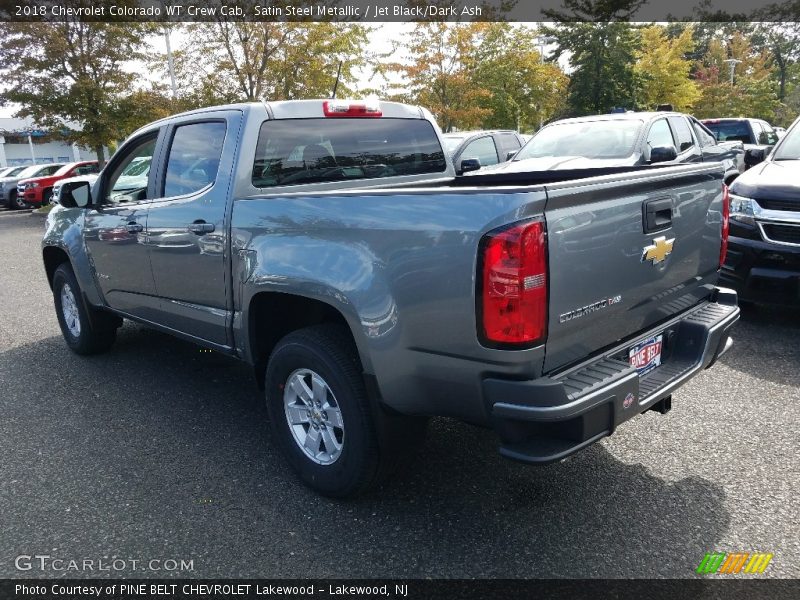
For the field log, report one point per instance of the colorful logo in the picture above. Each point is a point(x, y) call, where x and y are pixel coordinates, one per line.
point(734, 562)
point(628, 401)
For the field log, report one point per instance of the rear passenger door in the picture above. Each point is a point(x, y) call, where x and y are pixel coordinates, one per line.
point(688, 150)
point(187, 236)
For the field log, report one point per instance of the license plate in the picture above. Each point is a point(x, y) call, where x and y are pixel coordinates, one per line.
point(646, 356)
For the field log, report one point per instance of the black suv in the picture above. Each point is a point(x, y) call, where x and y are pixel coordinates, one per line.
point(763, 262)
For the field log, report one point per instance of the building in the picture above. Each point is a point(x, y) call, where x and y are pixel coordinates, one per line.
point(22, 142)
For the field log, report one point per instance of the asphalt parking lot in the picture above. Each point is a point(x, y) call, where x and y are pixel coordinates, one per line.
point(158, 451)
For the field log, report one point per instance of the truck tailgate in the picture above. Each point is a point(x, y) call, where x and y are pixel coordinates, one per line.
point(627, 252)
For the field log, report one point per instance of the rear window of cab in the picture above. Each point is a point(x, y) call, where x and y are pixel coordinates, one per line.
point(319, 150)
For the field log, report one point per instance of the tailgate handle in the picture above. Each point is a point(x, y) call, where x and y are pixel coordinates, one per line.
point(657, 215)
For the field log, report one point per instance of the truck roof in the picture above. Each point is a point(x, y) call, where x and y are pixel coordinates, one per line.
point(303, 109)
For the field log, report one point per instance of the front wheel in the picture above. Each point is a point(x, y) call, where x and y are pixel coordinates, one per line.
point(84, 332)
point(15, 202)
point(320, 415)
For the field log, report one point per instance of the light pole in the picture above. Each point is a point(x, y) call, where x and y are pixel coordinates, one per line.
point(542, 41)
point(732, 62)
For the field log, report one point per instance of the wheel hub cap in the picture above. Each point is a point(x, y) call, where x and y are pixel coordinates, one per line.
point(69, 310)
point(313, 416)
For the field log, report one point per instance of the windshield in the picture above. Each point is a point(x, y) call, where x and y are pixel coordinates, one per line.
point(790, 145)
point(65, 169)
point(730, 131)
point(15, 171)
point(452, 142)
point(31, 171)
point(589, 139)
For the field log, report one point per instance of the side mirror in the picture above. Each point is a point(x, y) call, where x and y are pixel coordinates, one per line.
point(76, 194)
point(663, 154)
point(511, 154)
point(469, 164)
point(753, 156)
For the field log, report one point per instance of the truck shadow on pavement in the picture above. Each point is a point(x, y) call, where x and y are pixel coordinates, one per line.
point(160, 449)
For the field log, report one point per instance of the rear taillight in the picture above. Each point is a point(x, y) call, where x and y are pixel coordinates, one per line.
point(513, 285)
point(347, 108)
point(726, 224)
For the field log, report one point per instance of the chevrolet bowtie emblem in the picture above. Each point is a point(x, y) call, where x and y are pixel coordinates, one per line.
point(661, 248)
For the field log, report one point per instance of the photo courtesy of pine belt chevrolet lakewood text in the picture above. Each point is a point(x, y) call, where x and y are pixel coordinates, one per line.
point(330, 245)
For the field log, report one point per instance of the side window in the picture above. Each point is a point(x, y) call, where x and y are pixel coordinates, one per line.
point(194, 157)
point(508, 143)
point(50, 170)
point(87, 170)
point(660, 135)
point(683, 136)
point(483, 149)
point(768, 137)
point(703, 135)
point(128, 180)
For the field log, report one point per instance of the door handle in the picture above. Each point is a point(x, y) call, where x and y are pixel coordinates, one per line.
point(200, 227)
point(134, 227)
point(657, 215)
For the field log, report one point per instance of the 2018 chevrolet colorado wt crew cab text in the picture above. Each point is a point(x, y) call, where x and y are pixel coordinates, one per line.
point(330, 245)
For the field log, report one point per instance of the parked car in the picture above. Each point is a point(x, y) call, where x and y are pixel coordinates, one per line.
point(8, 185)
point(132, 180)
point(36, 191)
point(10, 171)
point(757, 135)
point(481, 148)
point(370, 288)
point(624, 139)
point(763, 262)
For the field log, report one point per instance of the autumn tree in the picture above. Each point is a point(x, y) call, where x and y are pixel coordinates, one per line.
point(227, 61)
point(753, 91)
point(440, 73)
point(69, 76)
point(662, 69)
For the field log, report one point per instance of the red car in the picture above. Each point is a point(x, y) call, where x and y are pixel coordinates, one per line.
point(39, 190)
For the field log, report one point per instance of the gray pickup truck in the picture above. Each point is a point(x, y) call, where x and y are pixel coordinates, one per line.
point(330, 245)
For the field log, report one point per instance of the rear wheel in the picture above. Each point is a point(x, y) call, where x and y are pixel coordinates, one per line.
point(321, 417)
point(86, 331)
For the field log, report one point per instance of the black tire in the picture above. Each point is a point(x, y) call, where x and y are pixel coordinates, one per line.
point(96, 330)
point(328, 351)
point(12, 201)
point(47, 197)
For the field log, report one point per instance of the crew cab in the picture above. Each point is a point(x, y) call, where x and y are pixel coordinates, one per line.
point(757, 135)
point(36, 191)
point(763, 262)
point(625, 139)
point(329, 244)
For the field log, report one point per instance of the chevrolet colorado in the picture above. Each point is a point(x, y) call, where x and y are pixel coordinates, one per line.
point(330, 245)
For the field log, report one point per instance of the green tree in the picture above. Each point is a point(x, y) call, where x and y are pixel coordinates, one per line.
point(662, 69)
point(601, 46)
point(524, 91)
point(68, 76)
